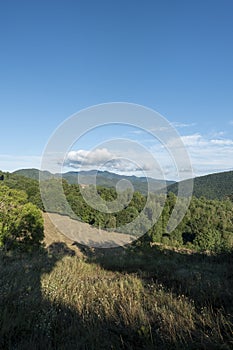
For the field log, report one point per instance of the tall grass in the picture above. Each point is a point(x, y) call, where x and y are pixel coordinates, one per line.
point(118, 300)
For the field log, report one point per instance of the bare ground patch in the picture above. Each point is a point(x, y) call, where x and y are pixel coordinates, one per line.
point(59, 228)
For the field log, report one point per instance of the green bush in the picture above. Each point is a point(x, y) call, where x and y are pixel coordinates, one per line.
point(21, 223)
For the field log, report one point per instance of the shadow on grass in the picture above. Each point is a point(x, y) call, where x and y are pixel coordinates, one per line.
point(206, 279)
point(28, 320)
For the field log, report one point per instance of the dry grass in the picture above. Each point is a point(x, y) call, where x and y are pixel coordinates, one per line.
point(138, 298)
point(64, 302)
point(76, 231)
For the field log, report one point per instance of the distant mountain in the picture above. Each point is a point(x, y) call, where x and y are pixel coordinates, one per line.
point(102, 178)
point(212, 186)
point(107, 179)
point(34, 173)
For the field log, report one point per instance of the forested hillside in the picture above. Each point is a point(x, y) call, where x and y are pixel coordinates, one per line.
point(213, 186)
point(34, 173)
point(207, 224)
point(101, 178)
point(28, 185)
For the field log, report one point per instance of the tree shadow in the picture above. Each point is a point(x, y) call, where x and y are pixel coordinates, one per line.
point(29, 320)
point(26, 315)
point(207, 279)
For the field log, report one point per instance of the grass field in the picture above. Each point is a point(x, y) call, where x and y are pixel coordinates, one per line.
point(68, 296)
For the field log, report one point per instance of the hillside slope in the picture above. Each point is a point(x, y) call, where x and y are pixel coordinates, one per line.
point(101, 178)
point(60, 228)
point(34, 174)
point(212, 186)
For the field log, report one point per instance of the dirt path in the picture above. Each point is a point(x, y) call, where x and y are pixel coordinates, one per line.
point(59, 228)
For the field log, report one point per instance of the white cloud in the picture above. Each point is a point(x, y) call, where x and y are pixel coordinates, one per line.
point(192, 140)
point(187, 140)
point(102, 158)
point(182, 125)
point(224, 142)
point(218, 134)
point(90, 158)
point(209, 154)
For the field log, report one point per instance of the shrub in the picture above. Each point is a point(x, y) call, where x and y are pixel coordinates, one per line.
point(21, 223)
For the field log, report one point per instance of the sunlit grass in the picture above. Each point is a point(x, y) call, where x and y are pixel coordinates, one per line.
point(64, 302)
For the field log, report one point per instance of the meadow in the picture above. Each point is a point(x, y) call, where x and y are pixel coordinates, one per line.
point(133, 298)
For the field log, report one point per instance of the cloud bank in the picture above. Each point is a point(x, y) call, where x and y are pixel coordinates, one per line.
point(103, 159)
point(207, 155)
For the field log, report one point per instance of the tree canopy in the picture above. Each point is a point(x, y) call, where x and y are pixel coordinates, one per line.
point(21, 222)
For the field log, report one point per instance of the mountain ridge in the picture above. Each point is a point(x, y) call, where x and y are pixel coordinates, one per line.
point(212, 186)
point(101, 178)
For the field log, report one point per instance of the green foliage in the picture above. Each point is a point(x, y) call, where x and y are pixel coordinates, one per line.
point(213, 186)
point(21, 223)
point(126, 216)
point(34, 174)
point(207, 221)
point(101, 178)
point(28, 185)
point(207, 225)
point(53, 198)
point(30, 226)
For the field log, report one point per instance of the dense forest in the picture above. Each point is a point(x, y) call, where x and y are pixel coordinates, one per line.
point(207, 224)
point(101, 178)
point(212, 186)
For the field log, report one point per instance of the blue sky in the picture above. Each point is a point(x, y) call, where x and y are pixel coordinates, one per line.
point(58, 57)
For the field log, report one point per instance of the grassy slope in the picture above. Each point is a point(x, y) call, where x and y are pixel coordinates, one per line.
point(114, 299)
point(83, 233)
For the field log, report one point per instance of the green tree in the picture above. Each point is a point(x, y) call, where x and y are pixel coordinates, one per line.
point(21, 223)
point(30, 226)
